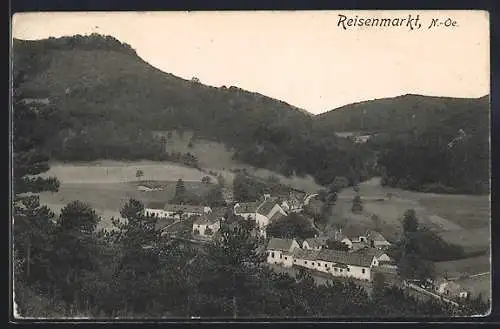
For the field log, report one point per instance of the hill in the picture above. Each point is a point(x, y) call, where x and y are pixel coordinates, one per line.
point(429, 144)
point(401, 113)
point(110, 102)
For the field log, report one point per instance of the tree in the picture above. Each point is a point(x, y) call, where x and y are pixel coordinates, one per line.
point(235, 259)
point(138, 240)
point(75, 248)
point(379, 286)
point(214, 197)
point(180, 191)
point(357, 204)
point(33, 226)
point(410, 222)
point(336, 245)
point(206, 180)
point(291, 226)
point(139, 173)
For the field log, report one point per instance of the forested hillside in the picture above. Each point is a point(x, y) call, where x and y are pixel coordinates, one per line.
point(110, 101)
point(430, 144)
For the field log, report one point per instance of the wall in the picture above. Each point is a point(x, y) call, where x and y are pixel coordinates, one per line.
point(357, 272)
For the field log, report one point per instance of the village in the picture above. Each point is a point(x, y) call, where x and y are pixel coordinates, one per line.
point(344, 255)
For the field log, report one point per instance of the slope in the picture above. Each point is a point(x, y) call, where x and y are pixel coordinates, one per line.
point(110, 102)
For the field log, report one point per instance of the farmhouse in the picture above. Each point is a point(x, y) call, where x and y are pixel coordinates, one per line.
point(357, 240)
point(450, 289)
point(337, 263)
point(207, 225)
point(280, 251)
point(161, 210)
point(291, 203)
point(261, 213)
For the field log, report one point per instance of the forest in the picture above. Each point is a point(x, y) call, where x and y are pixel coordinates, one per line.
point(65, 267)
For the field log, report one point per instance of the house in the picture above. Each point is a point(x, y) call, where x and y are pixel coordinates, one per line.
point(337, 263)
point(161, 210)
point(377, 240)
point(305, 258)
point(450, 289)
point(207, 225)
point(291, 203)
point(266, 210)
point(247, 210)
point(314, 243)
point(261, 213)
point(280, 251)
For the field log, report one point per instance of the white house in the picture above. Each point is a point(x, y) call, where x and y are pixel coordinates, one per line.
point(280, 251)
point(451, 289)
point(261, 213)
point(337, 263)
point(162, 210)
point(207, 225)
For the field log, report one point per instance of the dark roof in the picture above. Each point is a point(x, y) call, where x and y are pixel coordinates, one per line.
point(206, 219)
point(316, 242)
point(353, 232)
point(247, 207)
point(305, 254)
point(376, 236)
point(344, 257)
point(155, 205)
point(219, 211)
point(279, 244)
point(370, 252)
point(184, 208)
point(277, 216)
point(266, 206)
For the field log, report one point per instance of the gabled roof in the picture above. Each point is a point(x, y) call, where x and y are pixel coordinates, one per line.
point(184, 208)
point(280, 244)
point(266, 206)
point(305, 254)
point(376, 236)
point(370, 252)
point(344, 257)
point(247, 207)
point(155, 205)
point(277, 216)
point(161, 223)
point(206, 219)
point(316, 242)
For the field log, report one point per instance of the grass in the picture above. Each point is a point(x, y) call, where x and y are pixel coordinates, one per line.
point(463, 267)
point(469, 212)
point(108, 198)
point(473, 240)
point(480, 285)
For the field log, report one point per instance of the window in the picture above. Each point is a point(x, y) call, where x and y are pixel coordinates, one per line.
point(348, 269)
point(312, 263)
point(272, 254)
point(295, 261)
point(286, 258)
point(363, 271)
point(335, 269)
point(305, 262)
point(326, 265)
point(281, 256)
point(340, 270)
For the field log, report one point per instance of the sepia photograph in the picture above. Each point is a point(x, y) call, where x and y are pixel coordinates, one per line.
point(250, 165)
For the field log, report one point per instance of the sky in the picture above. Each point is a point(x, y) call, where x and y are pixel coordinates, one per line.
point(303, 58)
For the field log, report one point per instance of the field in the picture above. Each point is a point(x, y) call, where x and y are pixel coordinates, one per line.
point(460, 219)
point(107, 185)
point(463, 267)
point(478, 285)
